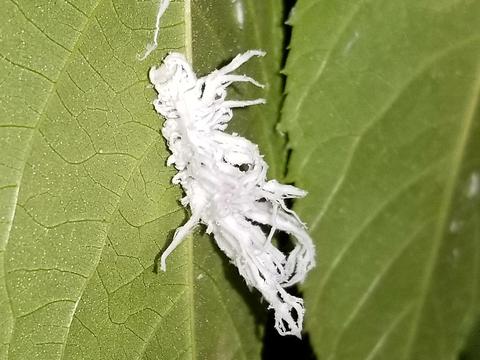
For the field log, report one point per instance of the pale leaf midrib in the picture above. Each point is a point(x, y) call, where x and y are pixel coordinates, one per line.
point(190, 249)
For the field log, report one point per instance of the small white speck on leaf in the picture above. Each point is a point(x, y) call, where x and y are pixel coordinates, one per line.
point(473, 185)
point(351, 42)
point(455, 226)
point(239, 12)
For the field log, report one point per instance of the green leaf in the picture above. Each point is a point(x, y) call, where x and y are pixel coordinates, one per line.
point(86, 199)
point(383, 120)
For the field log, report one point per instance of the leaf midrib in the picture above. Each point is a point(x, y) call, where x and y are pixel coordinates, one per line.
point(190, 256)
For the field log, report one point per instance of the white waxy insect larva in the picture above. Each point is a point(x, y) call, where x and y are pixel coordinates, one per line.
point(224, 179)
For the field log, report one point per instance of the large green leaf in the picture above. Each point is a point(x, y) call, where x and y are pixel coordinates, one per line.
point(383, 120)
point(86, 200)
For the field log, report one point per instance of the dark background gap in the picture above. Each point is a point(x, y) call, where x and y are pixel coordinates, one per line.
point(275, 346)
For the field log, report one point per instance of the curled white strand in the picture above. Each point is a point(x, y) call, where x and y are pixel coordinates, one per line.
point(162, 7)
point(224, 179)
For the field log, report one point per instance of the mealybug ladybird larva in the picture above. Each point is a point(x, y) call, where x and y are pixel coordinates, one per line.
point(224, 179)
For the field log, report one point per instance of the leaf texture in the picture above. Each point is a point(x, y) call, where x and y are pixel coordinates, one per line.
point(86, 199)
point(382, 112)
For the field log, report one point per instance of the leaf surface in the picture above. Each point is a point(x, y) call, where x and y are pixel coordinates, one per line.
point(86, 199)
point(383, 120)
